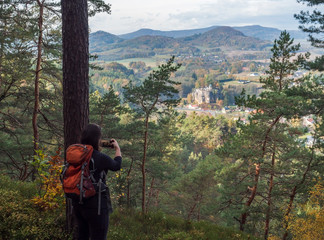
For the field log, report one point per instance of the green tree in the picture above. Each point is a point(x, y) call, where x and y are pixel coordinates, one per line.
point(311, 91)
point(15, 67)
point(156, 95)
point(194, 192)
point(106, 109)
point(312, 23)
point(282, 64)
point(75, 40)
point(20, 32)
point(267, 145)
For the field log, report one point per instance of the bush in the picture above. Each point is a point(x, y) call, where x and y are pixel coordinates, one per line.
point(132, 225)
point(175, 235)
point(25, 189)
point(21, 219)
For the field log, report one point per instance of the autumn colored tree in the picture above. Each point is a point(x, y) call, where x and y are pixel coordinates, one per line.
point(307, 220)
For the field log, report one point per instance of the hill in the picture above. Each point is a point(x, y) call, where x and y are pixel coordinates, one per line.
point(150, 42)
point(142, 47)
point(227, 37)
point(110, 47)
point(173, 34)
point(267, 33)
point(259, 32)
point(100, 39)
point(256, 31)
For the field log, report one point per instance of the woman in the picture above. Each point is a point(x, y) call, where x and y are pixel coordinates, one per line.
point(93, 222)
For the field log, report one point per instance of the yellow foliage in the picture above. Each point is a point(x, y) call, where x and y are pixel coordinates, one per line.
point(52, 196)
point(309, 223)
point(271, 237)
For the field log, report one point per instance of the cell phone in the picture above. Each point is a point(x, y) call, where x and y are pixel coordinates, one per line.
point(107, 143)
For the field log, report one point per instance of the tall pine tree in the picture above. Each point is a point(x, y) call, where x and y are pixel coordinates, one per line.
point(266, 150)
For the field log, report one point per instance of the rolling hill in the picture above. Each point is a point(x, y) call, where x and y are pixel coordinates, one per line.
point(111, 47)
point(227, 37)
point(266, 33)
point(101, 39)
point(256, 31)
point(173, 34)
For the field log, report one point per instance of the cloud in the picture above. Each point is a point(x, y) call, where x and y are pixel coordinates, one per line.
point(128, 16)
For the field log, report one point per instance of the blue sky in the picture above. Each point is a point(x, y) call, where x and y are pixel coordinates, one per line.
point(130, 15)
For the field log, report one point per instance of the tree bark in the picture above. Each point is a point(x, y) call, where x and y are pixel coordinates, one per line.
point(150, 194)
point(257, 175)
point(157, 198)
point(197, 199)
point(267, 222)
point(37, 75)
point(75, 34)
point(252, 196)
point(293, 195)
point(128, 183)
point(143, 164)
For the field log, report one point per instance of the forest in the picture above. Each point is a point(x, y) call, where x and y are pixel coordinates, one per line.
point(183, 176)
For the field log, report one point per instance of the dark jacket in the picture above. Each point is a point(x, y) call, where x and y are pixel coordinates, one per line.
point(102, 163)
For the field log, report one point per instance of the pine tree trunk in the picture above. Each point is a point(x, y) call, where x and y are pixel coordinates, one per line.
point(257, 175)
point(143, 165)
point(150, 194)
point(156, 204)
point(267, 222)
point(291, 201)
point(293, 195)
point(252, 196)
point(75, 34)
point(128, 183)
point(37, 77)
point(192, 209)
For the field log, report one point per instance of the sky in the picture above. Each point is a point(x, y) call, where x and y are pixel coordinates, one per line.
point(166, 15)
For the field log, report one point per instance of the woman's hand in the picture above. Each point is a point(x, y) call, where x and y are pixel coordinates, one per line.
point(116, 147)
point(114, 143)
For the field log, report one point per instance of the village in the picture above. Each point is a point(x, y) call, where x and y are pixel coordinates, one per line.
point(208, 96)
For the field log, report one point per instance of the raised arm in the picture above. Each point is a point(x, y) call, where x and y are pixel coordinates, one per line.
point(117, 148)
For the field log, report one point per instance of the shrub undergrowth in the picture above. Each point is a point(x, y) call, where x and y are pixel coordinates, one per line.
point(22, 219)
point(132, 225)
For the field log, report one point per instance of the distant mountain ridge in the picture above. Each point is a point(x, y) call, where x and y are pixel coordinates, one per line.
point(148, 42)
point(173, 34)
point(226, 37)
point(100, 38)
point(256, 31)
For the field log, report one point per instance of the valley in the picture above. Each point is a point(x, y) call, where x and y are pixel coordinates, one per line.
point(225, 58)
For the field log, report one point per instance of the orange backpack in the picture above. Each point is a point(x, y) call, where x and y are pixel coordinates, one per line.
point(76, 176)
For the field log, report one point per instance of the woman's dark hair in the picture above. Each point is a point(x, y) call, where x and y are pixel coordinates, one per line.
point(91, 136)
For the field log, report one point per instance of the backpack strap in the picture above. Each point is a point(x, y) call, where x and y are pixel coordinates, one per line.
point(81, 183)
point(66, 166)
point(100, 182)
point(92, 171)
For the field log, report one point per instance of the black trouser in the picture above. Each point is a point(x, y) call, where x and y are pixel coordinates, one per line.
point(90, 224)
